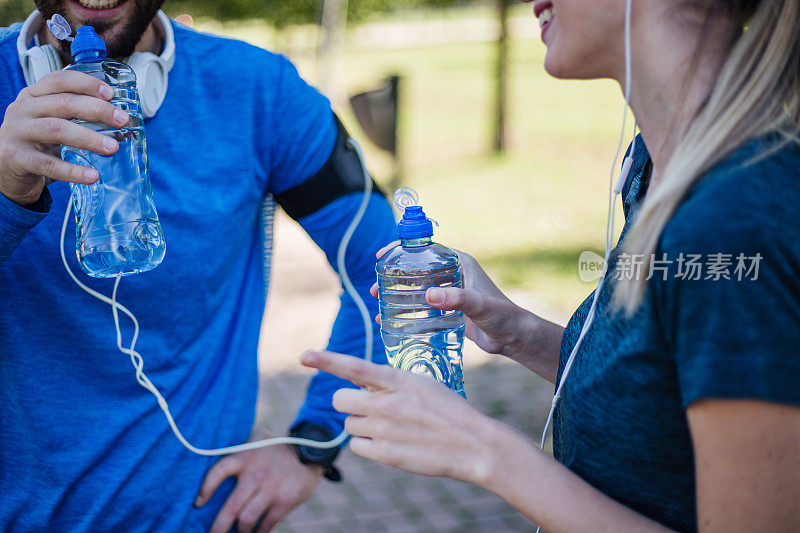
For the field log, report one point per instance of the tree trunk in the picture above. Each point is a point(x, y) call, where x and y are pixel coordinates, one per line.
point(501, 78)
point(333, 24)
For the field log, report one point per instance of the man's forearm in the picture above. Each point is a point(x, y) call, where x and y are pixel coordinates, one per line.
point(549, 494)
point(327, 227)
point(347, 336)
point(538, 345)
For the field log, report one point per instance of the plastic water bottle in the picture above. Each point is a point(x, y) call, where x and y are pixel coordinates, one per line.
point(117, 227)
point(420, 338)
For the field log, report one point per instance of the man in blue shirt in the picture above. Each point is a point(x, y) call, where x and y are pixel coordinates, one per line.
point(82, 446)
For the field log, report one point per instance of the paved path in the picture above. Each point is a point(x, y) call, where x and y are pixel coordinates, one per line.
point(373, 497)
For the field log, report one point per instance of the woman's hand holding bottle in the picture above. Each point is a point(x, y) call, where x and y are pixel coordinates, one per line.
point(411, 422)
point(495, 323)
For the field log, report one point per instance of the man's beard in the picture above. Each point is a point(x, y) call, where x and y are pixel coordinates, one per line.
point(126, 33)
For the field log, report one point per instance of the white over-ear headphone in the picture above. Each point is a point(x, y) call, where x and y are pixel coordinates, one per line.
point(152, 71)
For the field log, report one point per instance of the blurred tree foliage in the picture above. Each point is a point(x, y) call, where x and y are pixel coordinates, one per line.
point(14, 11)
point(284, 12)
point(277, 12)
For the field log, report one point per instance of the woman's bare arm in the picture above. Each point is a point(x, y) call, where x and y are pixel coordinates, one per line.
point(747, 464)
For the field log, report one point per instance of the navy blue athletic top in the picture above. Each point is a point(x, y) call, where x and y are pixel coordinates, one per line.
point(720, 319)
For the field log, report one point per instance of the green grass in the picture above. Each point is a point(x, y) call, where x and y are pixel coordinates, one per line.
point(527, 215)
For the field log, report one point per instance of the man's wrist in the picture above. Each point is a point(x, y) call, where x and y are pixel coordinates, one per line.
point(22, 198)
point(322, 458)
point(38, 204)
point(318, 470)
point(329, 472)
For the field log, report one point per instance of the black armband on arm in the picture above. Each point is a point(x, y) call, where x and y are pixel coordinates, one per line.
point(340, 175)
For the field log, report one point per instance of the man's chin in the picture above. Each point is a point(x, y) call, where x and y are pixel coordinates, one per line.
point(112, 31)
point(119, 23)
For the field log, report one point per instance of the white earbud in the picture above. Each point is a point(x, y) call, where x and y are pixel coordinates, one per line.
point(623, 175)
point(152, 71)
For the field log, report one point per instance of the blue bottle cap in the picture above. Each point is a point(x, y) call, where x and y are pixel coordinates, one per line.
point(87, 40)
point(414, 224)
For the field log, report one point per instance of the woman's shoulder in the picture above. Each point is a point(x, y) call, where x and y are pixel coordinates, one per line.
point(770, 161)
point(752, 197)
point(731, 302)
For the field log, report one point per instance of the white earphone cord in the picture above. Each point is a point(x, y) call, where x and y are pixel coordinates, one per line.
point(614, 190)
point(138, 363)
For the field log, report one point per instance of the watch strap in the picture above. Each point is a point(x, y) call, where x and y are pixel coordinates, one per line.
point(323, 457)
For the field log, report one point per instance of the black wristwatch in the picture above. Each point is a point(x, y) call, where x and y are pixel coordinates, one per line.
point(323, 457)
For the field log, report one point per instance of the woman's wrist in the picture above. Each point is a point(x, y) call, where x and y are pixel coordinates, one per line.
point(523, 324)
point(500, 449)
point(536, 343)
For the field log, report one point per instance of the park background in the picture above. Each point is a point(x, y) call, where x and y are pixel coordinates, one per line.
point(525, 202)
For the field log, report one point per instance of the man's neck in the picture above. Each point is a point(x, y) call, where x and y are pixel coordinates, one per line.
point(152, 41)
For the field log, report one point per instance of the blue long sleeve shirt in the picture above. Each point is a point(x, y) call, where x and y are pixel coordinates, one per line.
point(83, 447)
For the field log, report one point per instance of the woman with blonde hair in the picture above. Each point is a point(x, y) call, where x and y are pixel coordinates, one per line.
point(679, 378)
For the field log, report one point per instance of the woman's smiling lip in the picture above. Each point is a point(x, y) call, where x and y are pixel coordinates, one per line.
point(544, 31)
point(539, 7)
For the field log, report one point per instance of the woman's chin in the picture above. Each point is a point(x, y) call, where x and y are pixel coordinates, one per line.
point(557, 67)
point(554, 67)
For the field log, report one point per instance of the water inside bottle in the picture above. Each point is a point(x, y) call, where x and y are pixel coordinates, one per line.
point(419, 338)
point(118, 232)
